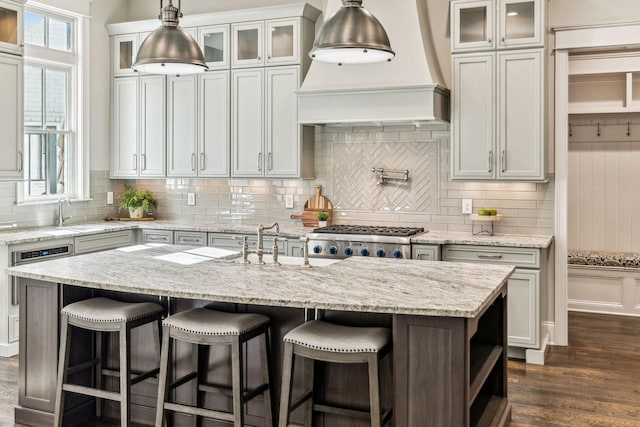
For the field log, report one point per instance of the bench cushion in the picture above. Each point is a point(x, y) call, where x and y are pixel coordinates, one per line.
point(333, 338)
point(106, 310)
point(204, 321)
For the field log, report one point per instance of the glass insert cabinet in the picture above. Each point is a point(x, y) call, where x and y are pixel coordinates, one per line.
point(495, 24)
point(273, 42)
point(11, 23)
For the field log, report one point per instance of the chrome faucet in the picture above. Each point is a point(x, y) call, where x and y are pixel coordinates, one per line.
point(61, 217)
point(260, 249)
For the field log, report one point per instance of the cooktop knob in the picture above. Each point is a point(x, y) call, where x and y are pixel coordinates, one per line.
point(317, 249)
point(364, 252)
point(380, 253)
point(348, 251)
point(397, 253)
point(333, 250)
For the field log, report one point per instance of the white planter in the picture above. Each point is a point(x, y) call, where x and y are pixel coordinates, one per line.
point(322, 223)
point(136, 212)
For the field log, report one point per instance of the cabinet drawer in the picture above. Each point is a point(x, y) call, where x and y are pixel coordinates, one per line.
point(520, 257)
point(157, 236)
point(103, 242)
point(198, 238)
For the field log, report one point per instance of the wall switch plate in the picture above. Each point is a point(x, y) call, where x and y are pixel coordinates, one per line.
point(288, 201)
point(191, 199)
point(467, 206)
point(109, 197)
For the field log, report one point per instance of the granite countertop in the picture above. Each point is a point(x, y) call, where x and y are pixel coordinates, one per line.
point(466, 238)
point(355, 284)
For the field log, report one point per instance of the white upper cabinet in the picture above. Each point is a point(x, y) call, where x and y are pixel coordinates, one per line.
point(182, 125)
point(214, 114)
point(272, 42)
point(153, 128)
point(125, 50)
point(248, 44)
point(247, 122)
point(11, 161)
point(11, 27)
point(214, 42)
point(124, 128)
point(496, 24)
point(283, 42)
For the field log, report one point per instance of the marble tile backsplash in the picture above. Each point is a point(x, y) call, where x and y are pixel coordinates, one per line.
point(344, 156)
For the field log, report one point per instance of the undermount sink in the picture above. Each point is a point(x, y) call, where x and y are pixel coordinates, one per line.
point(289, 260)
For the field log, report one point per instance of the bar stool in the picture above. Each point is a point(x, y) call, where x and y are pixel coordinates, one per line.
point(104, 315)
point(208, 327)
point(328, 342)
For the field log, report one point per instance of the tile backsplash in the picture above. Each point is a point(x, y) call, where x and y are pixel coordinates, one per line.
point(344, 156)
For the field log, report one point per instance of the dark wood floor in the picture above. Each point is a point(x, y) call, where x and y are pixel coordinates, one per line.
point(595, 381)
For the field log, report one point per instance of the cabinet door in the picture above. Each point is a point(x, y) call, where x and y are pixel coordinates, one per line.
point(152, 125)
point(521, 115)
point(247, 44)
point(214, 42)
point(124, 144)
point(472, 155)
point(125, 50)
point(520, 23)
point(11, 32)
point(523, 296)
point(11, 161)
point(182, 122)
point(283, 131)
point(215, 138)
point(425, 252)
point(282, 42)
point(247, 122)
point(472, 25)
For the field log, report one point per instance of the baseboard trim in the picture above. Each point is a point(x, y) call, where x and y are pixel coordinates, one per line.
point(9, 350)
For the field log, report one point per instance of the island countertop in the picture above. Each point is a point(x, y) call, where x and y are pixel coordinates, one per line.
point(354, 284)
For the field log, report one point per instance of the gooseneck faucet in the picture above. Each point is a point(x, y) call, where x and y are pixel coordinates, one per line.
point(260, 249)
point(61, 217)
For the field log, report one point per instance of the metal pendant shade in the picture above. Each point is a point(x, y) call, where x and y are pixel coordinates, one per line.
point(352, 36)
point(170, 49)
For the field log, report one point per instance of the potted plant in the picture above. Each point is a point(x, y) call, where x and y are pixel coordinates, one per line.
point(323, 218)
point(137, 201)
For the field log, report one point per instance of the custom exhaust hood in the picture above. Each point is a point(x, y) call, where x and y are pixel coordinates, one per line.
point(404, 90)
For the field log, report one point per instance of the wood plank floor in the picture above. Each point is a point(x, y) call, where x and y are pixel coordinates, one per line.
point(595, 381)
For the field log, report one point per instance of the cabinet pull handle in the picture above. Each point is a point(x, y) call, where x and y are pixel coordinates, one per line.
point(490, 161)
point(21, 162)
point(15, 293)
point(489, 40)
point(144, 162)
point(504, 162)
point(270, 161)
point(135, 161)
point(260, 162)
point(193, 161)
point(202, 161)
point(489, 256)
point(503, 40)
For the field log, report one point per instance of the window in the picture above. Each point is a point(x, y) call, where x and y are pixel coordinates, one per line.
point(51, 107)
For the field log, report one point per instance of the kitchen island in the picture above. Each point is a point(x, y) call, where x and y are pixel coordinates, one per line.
point(448, 322)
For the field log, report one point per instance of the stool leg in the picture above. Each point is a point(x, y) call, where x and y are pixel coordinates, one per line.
point(237, 382)
point(125, 375)
point(287, 376)
point(265, 357)
point(98, 379)
point(374, 391)
point(163, 383)
point(309, 373)
point(63, 364)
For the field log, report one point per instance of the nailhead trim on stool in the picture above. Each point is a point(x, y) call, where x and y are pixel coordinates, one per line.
point(104, 315)
point(206, 327)
point(328, 342)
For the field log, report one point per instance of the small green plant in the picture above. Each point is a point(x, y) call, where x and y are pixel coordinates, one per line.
point(132, 198)
point(323, 216)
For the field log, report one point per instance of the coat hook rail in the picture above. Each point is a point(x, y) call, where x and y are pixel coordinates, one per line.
point(384, 175)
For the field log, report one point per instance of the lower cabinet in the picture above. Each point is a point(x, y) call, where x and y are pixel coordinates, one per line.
point(157, 236)
point(196, 238)
point(103, 241)
point(426, 252)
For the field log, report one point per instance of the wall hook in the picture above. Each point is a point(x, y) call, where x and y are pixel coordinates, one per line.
point(599, 133)
point(570, 130)
point(628, 128)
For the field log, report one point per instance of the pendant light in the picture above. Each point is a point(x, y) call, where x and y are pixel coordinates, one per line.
point(352, 36)
point(169, 49)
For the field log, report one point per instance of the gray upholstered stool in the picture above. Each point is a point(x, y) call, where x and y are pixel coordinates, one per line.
point(205, 327)
point(319, 340)
point(104, 315)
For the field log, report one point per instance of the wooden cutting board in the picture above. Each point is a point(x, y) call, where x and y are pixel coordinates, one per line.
point(318, 202)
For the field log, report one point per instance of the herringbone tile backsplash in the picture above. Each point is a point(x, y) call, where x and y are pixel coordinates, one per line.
point(344, 156)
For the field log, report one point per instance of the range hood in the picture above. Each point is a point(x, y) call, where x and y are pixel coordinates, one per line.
point(405, 90)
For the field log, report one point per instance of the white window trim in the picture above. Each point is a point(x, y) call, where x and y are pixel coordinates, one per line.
point(80, 97)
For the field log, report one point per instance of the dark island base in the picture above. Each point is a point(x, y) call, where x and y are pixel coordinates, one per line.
point(447, 371)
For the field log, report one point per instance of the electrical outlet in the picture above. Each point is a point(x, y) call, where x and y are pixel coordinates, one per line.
point(109, 197)
point(467, 206)
point(191, 199)
point(288, 201)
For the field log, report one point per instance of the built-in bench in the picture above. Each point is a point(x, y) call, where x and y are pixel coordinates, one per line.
point(604, 282)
